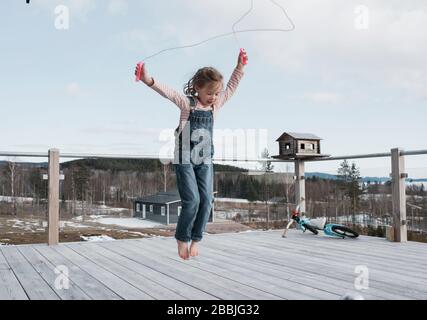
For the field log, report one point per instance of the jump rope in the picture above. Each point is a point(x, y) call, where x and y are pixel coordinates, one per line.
point(234, 33)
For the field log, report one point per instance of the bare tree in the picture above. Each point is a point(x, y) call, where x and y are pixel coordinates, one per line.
point(166, 175)
point(12, 172)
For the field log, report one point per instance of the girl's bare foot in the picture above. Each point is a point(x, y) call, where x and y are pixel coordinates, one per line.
point(194, 249)
point(183, 249)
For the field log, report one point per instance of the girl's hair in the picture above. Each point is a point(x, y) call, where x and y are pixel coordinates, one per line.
point(204, 76)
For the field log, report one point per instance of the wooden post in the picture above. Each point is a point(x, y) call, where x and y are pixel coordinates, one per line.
point(53, 223)
point(167, 217)
point(213, 209)
point(300, 185)
point(399, 195)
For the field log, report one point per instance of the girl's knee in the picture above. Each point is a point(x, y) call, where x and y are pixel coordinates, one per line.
point(192, 202)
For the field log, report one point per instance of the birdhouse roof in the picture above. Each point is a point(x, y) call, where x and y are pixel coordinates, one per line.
point(304, 136)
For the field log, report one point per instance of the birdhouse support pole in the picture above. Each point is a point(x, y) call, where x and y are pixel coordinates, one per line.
point(300, 184)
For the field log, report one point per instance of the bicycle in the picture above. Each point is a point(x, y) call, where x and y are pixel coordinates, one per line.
point(314, 225)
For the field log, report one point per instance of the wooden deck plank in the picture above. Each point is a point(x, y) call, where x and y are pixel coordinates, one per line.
point(47, 271)
point(316, 274)
point(159, 278)
point(202, 280)
point(33, 284)
point(355, 246)
point(142, 282)
point(302, 245)
point(91, 286)
point(304, 260)
point(385, 267)
point(309, 253)
point(239, 266)
point(119, 286)
point(10, 288)
point(215, 256)
point(377, 246)
point(346, 252)
point(282, 288)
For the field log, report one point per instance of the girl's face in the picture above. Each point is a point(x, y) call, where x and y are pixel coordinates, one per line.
point(209, 93)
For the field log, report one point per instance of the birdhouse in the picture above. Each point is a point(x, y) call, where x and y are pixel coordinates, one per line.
point(299, 146)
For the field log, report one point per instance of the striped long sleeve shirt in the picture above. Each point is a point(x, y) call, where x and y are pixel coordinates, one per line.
point(183, 102)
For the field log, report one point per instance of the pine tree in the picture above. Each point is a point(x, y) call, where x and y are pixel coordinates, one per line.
point(266, 165)
point(349, 177)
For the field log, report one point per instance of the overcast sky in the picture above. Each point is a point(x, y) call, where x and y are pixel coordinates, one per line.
point(352, 72)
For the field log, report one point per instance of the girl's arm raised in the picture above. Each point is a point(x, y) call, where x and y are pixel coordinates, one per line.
point(234, 81)
point(179, 99)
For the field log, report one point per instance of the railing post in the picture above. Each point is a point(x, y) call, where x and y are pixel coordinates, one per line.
point(399, 195)
point(53, 202)
point(300, 184)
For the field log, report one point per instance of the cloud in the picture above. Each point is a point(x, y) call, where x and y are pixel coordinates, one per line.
point(117, 7)
point(130, 130)
point(158, 38)
point(322, 97)
point(74, 89)
point(77, 8)
point(327, 45)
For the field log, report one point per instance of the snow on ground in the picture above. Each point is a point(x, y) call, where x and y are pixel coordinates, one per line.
point(235, 200)
point(96, 238)
point(29, 225)
point(127, 222)
point(238, 200)
point(71, 224)
point(17, 199)
point(418, 183)
point(40, 225)
point(230, 214)
point(79, 222)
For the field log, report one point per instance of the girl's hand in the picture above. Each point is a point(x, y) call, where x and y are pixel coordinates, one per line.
point(242, 59)
point(144, 76)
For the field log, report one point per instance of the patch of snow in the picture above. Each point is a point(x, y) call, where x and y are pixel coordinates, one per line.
point(17, 199)
point(71, 224)
point(236, 200)
point(97, 238)
point(133, 223)
point(230, 214)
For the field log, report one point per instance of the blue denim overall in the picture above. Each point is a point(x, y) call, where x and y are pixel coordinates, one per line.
point(194, 174)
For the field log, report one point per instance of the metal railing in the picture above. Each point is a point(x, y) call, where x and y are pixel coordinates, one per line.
point(397, 165)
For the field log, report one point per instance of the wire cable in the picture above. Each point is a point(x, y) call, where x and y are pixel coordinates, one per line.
point(234, 32)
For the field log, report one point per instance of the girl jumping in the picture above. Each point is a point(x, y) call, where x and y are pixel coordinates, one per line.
point(203, 97)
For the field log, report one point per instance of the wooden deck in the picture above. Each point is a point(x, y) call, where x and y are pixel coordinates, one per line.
point(244, 266)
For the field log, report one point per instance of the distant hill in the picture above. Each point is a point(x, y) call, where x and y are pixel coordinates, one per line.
point(28, 164)
point(328, 176)
point(321, 175)
point(147, 165)
point(144, 165)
